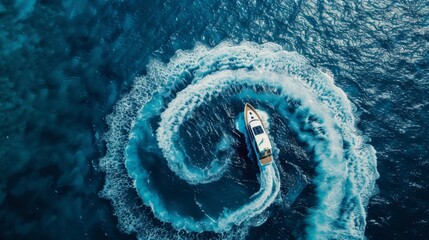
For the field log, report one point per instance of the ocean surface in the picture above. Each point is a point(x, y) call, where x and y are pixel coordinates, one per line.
point(124, 119)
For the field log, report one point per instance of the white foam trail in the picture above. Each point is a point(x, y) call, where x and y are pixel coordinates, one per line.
point(270, 187)
point(346, 165)
point(178, 112)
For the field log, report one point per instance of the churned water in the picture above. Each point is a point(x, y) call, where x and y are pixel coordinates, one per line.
point(124, 119)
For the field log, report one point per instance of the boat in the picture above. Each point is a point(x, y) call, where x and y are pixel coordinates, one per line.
point(258, 135)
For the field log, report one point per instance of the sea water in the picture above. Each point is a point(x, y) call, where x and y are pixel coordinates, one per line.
point(124, 119)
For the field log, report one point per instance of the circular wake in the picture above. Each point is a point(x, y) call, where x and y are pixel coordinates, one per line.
point(172, 140)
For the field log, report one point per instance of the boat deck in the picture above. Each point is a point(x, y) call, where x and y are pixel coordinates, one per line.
point(266, 160)
point(262, 138)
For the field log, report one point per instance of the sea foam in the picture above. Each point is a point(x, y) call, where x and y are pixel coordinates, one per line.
point(318, 111)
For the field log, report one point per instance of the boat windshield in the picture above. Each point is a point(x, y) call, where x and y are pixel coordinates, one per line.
point(258, 130)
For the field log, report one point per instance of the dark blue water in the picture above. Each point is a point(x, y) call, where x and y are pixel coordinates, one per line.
point(123, 119)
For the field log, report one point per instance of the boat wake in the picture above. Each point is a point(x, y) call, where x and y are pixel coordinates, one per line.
point(171, 140)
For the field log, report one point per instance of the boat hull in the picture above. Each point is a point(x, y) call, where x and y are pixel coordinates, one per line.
point(258, 135)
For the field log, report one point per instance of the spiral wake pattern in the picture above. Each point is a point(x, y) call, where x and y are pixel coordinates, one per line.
point(174, 140)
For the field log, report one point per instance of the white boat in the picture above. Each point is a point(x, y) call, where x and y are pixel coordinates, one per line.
point(258, 135)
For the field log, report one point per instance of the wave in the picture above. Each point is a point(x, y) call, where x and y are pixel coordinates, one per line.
point(148, 128)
